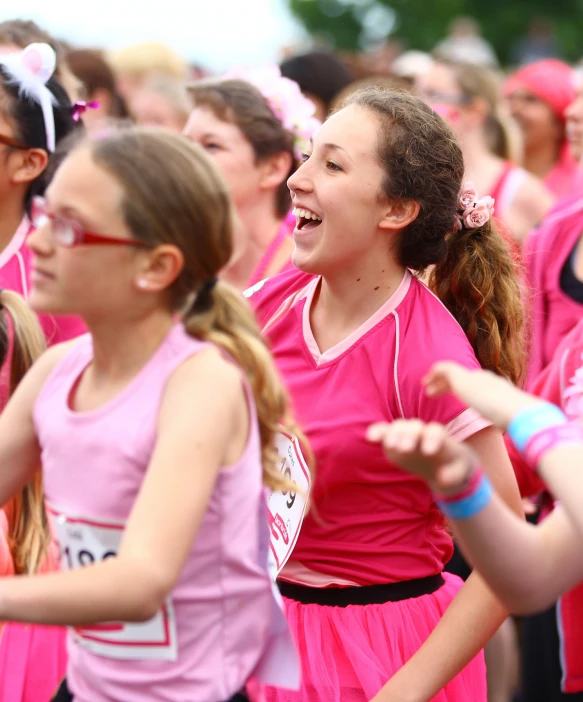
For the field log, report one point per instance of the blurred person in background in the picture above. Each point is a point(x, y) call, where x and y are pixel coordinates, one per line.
point(161, 102)
point(538, 96)
point(321, 77)
point(465, 43)
point(135, 65)
point(539, 43)
point(410, 66)
point(255, 127)
point(467, 96)
point(17, 34)
point(98, 82)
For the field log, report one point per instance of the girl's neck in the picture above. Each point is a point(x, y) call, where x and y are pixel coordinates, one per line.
point(541, 158)
point(122, 347)
point(257, 227)
point(11, 215)
point(345, 300)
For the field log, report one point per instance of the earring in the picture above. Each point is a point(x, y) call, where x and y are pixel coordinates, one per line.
point(142, 283)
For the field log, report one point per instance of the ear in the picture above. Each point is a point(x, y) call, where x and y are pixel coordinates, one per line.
point(32, 163)
point(399, 214)
point(159, 268)
point(477, 111)
point(274, 170)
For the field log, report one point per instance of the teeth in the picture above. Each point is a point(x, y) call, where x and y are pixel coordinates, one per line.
point(305, 214)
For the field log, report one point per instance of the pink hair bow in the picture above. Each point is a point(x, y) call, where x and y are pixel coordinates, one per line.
point(81, 107)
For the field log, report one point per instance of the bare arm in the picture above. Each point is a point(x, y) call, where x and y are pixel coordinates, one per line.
point(475, 613)
point(203, 417)
point(528, 567)
point(19, 449)
point(529, 207)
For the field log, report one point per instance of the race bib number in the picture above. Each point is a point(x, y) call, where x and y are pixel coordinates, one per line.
point(83, 541)
point(287, 508)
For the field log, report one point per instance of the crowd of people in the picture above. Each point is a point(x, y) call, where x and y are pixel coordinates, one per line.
point(286, 354)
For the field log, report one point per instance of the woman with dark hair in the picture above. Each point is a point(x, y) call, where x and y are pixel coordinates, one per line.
point(253, 126)
point(35, 114)
point(353, 333)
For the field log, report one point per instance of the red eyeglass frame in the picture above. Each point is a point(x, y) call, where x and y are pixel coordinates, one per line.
point(9, 141)
point(80, 236)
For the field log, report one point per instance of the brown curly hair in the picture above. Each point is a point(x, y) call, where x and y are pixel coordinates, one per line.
point(473, 273)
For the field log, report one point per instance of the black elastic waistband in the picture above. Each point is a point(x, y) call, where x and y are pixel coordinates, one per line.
point(367, 594)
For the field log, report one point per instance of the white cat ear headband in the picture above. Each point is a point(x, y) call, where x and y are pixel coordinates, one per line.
point(30, 69)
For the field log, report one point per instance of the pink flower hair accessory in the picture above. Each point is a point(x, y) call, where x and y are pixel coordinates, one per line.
point(288, 104)
point(473, 212)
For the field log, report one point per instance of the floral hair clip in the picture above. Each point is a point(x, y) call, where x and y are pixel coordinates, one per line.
point(286, 100)
point(473, 212)
point(79, 108)
point(30, 69)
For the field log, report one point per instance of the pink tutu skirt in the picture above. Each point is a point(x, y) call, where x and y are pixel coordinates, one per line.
point(33, 661)
point(349, 653)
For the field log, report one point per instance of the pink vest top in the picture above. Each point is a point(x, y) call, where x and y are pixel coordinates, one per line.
point(223, 620)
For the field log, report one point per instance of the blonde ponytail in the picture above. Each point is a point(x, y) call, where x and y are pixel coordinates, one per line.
point(223, 317)
point(28, 530)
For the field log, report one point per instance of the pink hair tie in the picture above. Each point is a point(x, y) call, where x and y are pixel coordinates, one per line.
point(473, 212)
point(81, 107)
point(552, 438)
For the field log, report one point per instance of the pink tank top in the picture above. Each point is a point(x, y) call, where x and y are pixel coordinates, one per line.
point(223, 621)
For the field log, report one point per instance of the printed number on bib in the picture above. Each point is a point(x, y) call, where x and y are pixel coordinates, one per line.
point(82, 541)
point(288, 507)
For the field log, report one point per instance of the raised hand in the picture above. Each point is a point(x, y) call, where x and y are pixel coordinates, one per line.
point(492, 396)
point(425, 450)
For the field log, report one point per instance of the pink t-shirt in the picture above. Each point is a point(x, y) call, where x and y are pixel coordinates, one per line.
point(554, 313)
point(372, 522)
point(222, 621)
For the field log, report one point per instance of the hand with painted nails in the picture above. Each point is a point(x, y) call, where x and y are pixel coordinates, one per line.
point(493, 397)
point(427, 451)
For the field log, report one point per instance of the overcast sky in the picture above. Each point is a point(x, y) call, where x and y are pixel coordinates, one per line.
point(216, 33)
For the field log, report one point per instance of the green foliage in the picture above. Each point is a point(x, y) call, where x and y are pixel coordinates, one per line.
point(421, 24)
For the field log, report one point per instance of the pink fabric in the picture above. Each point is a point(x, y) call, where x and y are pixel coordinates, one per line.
point(223, 602)
point(372, 522)
point(33, 659)
point(550, 80)
point(349, 653)
point(565, 177)
point(554, 314)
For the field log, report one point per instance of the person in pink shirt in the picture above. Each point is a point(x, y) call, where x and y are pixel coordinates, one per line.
point(353, 332)
point(33, 659)
point(538, 96)
point(163, 534)
point(254, 124)
point(554, 264)
point(28, 136)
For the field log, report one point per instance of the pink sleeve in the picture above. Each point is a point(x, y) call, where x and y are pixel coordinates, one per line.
point(59, 329)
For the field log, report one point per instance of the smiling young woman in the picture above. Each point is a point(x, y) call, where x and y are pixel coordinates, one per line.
point(353, 332)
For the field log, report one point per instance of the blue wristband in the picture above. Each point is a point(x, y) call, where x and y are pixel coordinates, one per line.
point(472, 504)
point(533, 419)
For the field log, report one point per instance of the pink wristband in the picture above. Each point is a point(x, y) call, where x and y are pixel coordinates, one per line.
point(550, 439)
point(469, 488)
